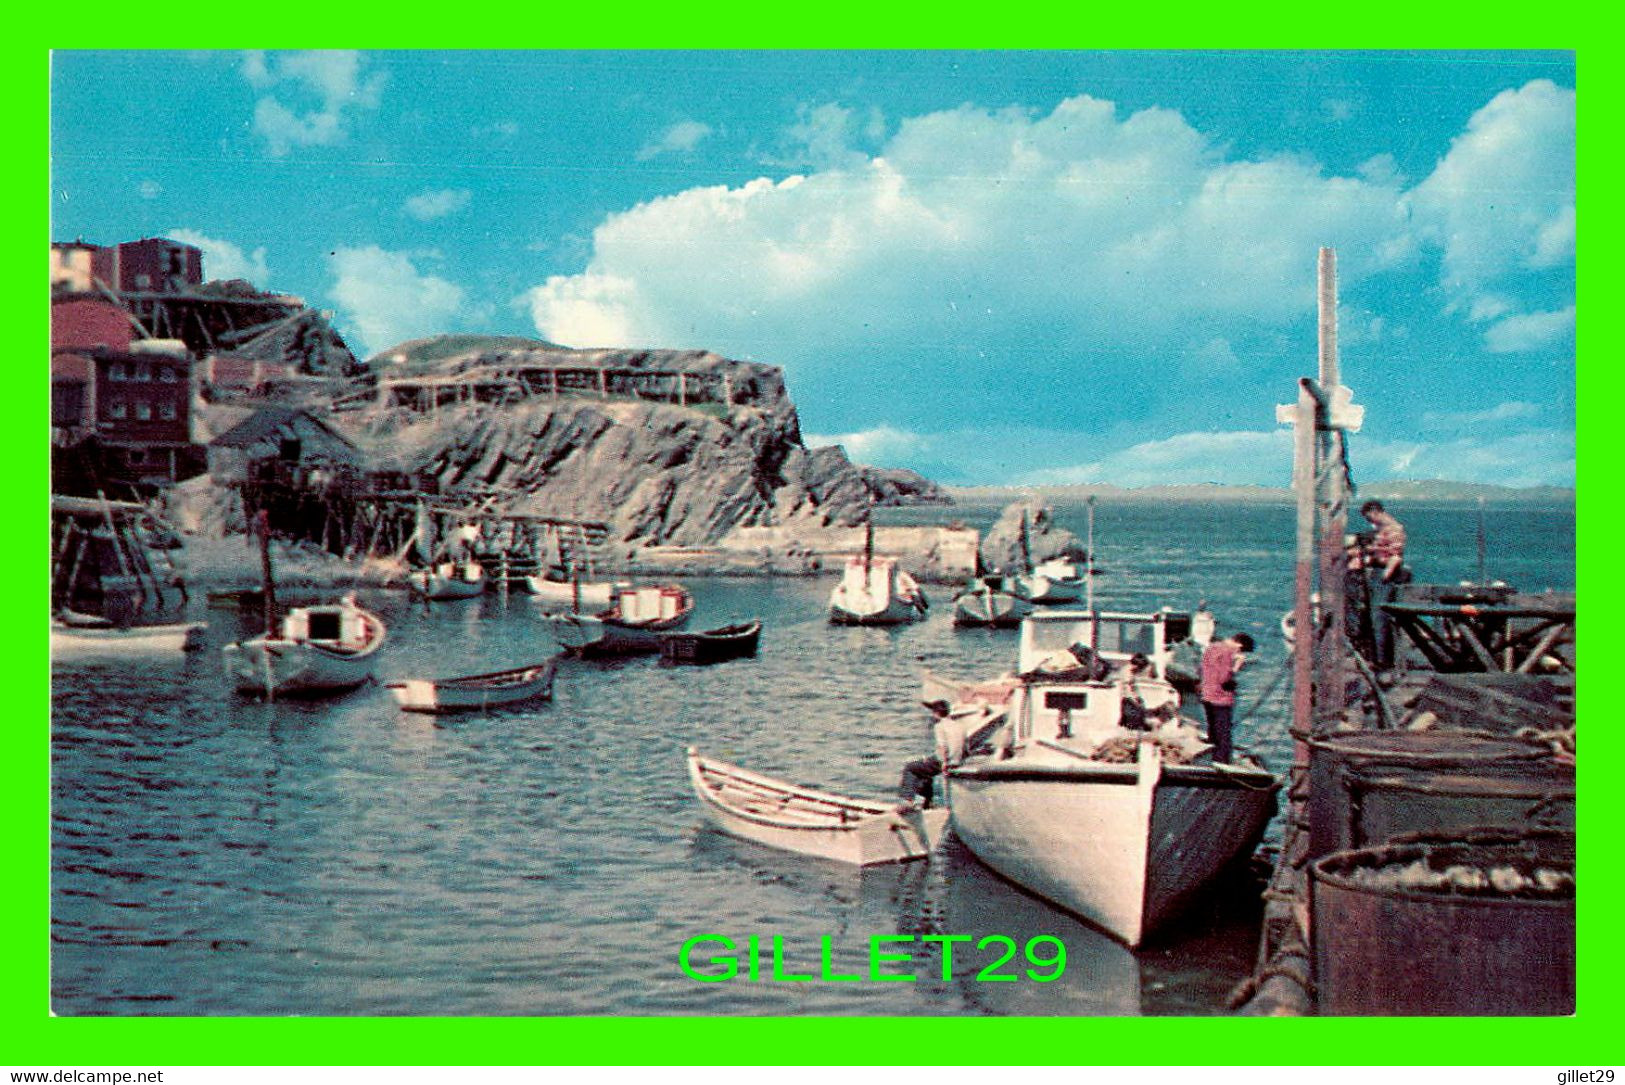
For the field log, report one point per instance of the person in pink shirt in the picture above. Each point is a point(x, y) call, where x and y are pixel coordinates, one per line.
point(1220, 663)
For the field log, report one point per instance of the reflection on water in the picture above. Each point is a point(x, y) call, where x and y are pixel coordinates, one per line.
point(214, 855)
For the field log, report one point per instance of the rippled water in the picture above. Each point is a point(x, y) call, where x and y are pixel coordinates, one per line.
point(213, 855)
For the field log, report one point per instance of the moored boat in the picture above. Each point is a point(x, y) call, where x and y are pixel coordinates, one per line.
point(631, 625)
point(476, 692)
point(990, 603)
point(593, 594)
point(448, 580)
point(83, 634)
point(1097, 796)
point(711, 645)
point(874, 591)
point(807, 821)
point(318, 650)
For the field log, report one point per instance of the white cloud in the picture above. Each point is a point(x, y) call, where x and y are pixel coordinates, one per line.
point(386, 299)
point(150, 190)
point(1092, 223)
point(224, 260)
point(437, 203)
point(1501, 201)
point(882, 446)
point(1020, 249)
point(1529, 331)
point(325, 86)
point(1256, 457)
point(1513, 411)
point(1540, 457)
point(680, 138)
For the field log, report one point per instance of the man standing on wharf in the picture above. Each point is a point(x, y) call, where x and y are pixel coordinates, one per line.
point(1220, 663)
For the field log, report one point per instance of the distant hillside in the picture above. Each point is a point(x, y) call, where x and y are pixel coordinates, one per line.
point(1395, 490)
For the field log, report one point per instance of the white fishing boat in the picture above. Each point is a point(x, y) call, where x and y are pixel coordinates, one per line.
point(631, 625)
point(1099, 797)
point(319, 649)
point(86, 634)
point(874, 591)
point(448, 580)
point(476, 692)
point(579, 595)
point(114, 589)
point(810, 822)
point(990, 603)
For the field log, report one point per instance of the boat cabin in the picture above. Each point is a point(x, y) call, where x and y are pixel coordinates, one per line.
point(1114, 637)
point(872, 579)
point(344, 627)
point(649, 604)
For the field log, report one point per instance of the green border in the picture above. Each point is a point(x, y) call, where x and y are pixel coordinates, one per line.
point(37, 1039)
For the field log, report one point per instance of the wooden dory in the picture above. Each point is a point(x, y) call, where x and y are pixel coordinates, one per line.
point(809, 822)
point(476, 692)
point(711, 645)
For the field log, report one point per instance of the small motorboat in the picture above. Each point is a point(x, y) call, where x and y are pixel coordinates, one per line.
point(632, 625)
point(319, 650)
point(476, 692)
point(449, 580)
point(711, 645)
point(782, 815)
point(990, 603)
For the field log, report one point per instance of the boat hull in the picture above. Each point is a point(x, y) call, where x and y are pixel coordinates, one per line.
point(710, 646)
point(280, 668)
point(595, 595)
point(1037, 588)
point(475, 694)
point(70, 640)
point(1123, 846)
point(588, 635)
point(990, 608)
point(801, 820)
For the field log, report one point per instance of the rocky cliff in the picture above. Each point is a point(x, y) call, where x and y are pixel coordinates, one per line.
point(672, 447)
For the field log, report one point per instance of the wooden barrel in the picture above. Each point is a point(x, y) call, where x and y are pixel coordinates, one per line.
point(1483, 925)
point(1368, 787)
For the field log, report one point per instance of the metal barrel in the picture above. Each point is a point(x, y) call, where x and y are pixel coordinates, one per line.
point(1482, 925)
point(1367, 787)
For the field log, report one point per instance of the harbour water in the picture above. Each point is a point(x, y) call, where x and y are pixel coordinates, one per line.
point(214, 855)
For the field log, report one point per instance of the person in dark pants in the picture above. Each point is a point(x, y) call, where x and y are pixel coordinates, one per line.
point(1220, 663)
point(916, 787)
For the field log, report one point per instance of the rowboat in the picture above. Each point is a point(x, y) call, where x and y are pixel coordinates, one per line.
point(448, 580)
point(592, 595)
point(75, 634)
point(711, 645)
point(874, 591)
point(1098, 797)
point(782, 815)
point(319, 649)
point(476, 691)
point(989, 602)
point(631, 625)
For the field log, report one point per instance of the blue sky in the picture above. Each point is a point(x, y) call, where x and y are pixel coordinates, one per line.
point(992, 267)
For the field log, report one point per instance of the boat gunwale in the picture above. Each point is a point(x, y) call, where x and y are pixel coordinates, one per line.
point(868, 808)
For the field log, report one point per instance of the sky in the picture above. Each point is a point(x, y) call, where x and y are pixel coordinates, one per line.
point(990, 267)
